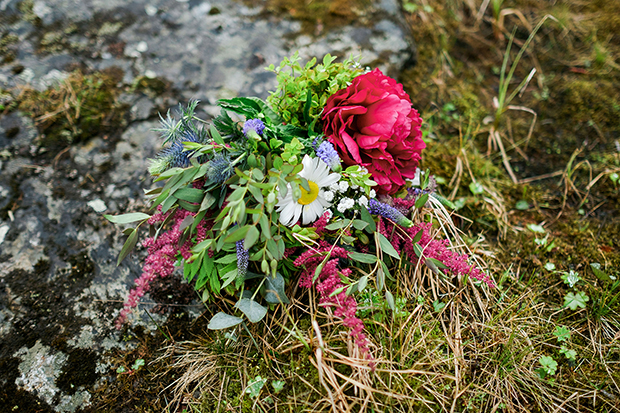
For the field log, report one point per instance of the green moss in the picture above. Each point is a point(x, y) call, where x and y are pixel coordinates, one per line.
point(80, 107)
point(7, 52)
point(319, 15)
point(151, 86)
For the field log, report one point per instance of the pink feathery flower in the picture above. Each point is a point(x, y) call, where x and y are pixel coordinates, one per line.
point(162, 256)
point(329, 280)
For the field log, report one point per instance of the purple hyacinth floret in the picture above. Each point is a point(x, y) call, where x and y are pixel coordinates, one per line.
point(256, 125)
point(379, 208)
point(328, 154)
point(242, 258)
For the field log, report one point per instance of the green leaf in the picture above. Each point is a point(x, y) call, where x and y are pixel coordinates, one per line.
point(387, 247)
point(227, 259)
point(365, 258)
point(337, 291)
point(536, 228)
point(187, 206)
point(366, 217)
point(418, 237)
point(273, 290)
point(252, 310)
point(389, 299)
point(190, 194)
point(476, 188)
point(255, 386)
point(421, 201)
point(418, 250)
point(251, 237)
point(127, 218)
point(221, 321)
point(522, 205)
point(561, 333)
point(361, 284)
point(548, 364)
point(128, 246)
point(256, 193)
point(359, 224)
point(337, 225)
point(238, 234)
point(307, 107)
point(207, 201)
point(600, 274)
point(569, 354)
point(170, 172)
point(573, 301)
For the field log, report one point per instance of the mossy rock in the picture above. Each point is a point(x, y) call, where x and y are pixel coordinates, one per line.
point(78, 108)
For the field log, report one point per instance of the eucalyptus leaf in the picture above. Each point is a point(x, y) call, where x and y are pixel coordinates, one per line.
point(251, 237)
point(252, 310)
point(273, 290)
point(366, 217)
point(190, 194)
point(387, 247)
point(127, 218)
point(361, 284)
point(221, 321)
point(389, 299)
point(365, 258)
point(128, 246)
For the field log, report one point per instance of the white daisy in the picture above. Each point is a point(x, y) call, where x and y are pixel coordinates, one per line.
point(311, 205)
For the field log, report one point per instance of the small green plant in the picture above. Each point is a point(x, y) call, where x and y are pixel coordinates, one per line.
point(570, 278)
point(574, 301)
point(571, 355)
point(135, 367)
point(562, 333)
point(277, 385)
point(255, 386)
point(438, 306)
point(548, 366)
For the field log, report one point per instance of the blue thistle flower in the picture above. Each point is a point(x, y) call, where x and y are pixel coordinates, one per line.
point(379, 208)
point(255, 125)
point(220, 169)
point(242, 258)
point(174, 156)
point(328, 154)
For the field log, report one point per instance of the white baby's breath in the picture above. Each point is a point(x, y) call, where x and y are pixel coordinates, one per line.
point(362, 200)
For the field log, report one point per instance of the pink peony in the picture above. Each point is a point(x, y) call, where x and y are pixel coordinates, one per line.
point(371, 123)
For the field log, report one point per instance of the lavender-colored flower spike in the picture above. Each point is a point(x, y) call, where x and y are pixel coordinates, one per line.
point(328, 154)
point(255, 125)
point(379, 208)
point(242, 258)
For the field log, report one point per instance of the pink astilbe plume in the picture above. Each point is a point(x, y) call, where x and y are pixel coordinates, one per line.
point(432, 248)
point(329, 281)
point(162, 255)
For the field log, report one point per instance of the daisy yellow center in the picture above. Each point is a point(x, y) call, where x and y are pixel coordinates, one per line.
point(308, 197)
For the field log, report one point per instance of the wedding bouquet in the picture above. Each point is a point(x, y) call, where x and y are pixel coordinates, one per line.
point(320, 185)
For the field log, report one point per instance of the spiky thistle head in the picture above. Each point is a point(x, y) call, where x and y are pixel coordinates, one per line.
point(220, 168)
point(174, 156)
